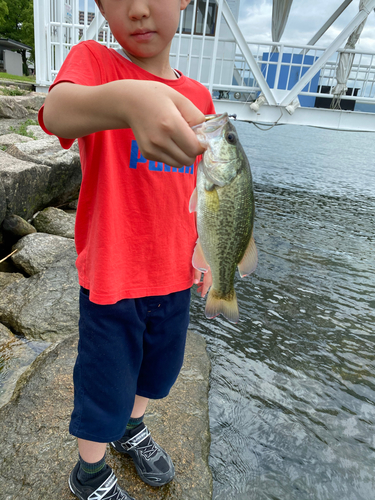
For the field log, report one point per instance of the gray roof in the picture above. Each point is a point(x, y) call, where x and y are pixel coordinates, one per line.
point(8, 43)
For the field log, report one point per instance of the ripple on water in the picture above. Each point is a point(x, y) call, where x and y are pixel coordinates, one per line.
point(292, 398)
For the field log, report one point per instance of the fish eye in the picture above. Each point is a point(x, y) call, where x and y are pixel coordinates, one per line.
point(231, 137)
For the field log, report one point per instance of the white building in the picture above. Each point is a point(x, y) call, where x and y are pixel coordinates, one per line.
point(268, 83)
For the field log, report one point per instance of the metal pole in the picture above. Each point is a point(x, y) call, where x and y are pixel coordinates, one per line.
point(190, 55)
point(329, 23)
point(233, 26)
point(216, 43)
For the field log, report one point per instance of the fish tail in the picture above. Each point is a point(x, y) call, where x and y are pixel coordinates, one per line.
point(222, 304)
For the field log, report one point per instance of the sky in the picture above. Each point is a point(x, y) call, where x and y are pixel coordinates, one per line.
point(304, 21)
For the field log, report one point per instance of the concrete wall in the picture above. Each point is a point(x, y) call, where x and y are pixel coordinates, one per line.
point(13, 63)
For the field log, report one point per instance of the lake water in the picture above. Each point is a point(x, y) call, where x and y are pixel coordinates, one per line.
point(292, 396)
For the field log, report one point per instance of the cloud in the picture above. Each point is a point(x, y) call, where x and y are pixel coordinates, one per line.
point(255, 19)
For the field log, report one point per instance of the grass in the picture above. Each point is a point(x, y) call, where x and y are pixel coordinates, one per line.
point(22, 128)
point(7, 76)
point(12, 92)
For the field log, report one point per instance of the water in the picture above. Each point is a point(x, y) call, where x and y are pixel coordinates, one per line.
point(292, 397)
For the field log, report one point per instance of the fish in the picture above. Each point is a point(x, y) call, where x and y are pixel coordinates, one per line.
point(224, 204)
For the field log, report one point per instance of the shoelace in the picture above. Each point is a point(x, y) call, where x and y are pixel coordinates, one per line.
point(117, 494)
point(148, 450)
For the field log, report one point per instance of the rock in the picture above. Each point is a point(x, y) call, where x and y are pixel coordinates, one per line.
point(9, 278)
point(44, 306)
point(47, 151)
point(26, 185)
point(72, 205)
point(7, 267)
point(10, 108)
point(9, 139)
point(55, 221)
point(32, 101)
point(16, 355)
point(17, 226)
point(3, 201)
point(37, 453)
point(38, 251)
point(27, 86)
point(30, 187)
point(6, 336)
point(37, 132)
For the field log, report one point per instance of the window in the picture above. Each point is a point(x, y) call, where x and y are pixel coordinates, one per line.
point(200, 13)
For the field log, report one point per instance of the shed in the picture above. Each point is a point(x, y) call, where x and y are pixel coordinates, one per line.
point(10, 57)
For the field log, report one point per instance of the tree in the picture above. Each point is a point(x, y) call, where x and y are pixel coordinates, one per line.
point(18, 24)
point(3, 11)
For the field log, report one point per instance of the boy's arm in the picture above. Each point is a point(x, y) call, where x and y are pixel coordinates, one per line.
point(160, 117)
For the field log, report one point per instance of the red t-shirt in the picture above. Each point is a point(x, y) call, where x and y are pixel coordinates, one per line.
point(134, 234)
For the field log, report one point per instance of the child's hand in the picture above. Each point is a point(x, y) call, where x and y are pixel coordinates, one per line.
point(161, 119)
point(204, 285)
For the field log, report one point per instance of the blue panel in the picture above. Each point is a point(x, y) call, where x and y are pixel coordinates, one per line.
point(294, 74)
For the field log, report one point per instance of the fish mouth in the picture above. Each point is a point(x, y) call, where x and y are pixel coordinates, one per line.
point(210, 128)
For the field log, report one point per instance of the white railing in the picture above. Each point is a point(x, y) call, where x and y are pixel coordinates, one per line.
point(218, 56)
point(284, 67)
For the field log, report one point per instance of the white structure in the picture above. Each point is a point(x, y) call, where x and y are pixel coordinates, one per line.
point(12, 62)
point(294, 82)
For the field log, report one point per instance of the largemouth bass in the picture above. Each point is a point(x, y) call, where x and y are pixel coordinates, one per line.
point(224, 205)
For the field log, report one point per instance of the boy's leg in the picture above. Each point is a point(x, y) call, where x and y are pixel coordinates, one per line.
point(109, 353)
point(139, 408)
point(167, 320)
point(90, 451)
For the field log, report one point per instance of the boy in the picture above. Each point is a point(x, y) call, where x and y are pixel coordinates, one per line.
point(134, 235)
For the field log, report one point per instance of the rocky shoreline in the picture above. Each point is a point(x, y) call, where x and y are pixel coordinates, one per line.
point(39, 303)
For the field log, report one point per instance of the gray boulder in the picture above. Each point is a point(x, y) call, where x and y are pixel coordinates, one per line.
point(6, 336)
point(10, 108)
point(44, 306)
point(32, 101)
point(27, 185)
point(47, 151)
point(16, 357)
point(36, 131)
point(17, 226)
point(36, 252)
point(9, 139)
point(32, 185)
point(55, 221)
point(8, 278)
point(3, 201)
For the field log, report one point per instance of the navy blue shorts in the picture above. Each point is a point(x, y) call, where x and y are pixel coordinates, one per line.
point(135, 346)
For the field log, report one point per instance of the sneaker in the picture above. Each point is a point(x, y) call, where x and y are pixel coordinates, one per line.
point(103, 487)
point(153, 464)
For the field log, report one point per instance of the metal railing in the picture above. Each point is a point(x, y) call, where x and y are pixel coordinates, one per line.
point(215, 58)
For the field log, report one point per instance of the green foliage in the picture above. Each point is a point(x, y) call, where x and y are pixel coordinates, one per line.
point(3, 11)
point(12, 92)
point(22, 128)
point(18, 23)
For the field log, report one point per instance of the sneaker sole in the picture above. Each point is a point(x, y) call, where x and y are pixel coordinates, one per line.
point(74, 492)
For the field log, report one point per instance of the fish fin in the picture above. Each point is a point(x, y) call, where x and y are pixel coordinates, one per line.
point(199, 260)
point(249, 261)
point(227, 306)
point(193, 201)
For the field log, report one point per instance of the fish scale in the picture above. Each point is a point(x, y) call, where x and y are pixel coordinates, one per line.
point(224, 203)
